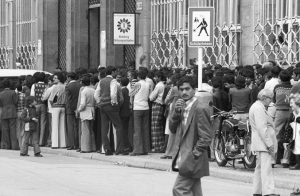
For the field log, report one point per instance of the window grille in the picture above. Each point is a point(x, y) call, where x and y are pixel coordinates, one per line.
point(168, 27)
point(5, 35)
point(94, 3)
point(276, 32)
point(62, 35)
point(26, 34)
point(129, 50)
point(169, 32)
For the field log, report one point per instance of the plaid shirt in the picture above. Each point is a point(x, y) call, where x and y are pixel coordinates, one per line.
point(21, 102)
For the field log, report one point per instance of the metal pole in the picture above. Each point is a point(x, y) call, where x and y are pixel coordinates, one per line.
point(200, 65)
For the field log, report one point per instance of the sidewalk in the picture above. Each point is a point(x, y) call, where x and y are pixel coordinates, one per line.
point(284, 178)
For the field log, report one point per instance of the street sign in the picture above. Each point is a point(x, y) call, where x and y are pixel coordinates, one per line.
point(139, 6)
point(124, 29)
point(201, 27)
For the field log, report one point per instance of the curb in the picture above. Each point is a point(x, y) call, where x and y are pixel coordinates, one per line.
point(281, 182)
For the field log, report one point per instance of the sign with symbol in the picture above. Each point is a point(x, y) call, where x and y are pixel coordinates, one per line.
point(201, 27)
point(124, 29)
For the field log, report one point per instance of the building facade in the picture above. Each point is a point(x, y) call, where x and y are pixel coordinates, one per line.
point(68, 34)
point(245, 32)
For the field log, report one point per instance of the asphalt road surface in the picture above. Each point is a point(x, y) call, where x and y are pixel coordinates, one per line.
point(63, 176)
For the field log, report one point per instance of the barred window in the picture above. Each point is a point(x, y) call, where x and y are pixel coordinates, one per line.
point(168, 27)
point(5, 33)
point(3, 23)
point(169, 32)
point(168, 15)
point(227, 33)
point(26, 33)
point(277, 31)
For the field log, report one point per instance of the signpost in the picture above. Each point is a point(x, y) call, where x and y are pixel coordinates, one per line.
point(124, 29)
point(200, 33)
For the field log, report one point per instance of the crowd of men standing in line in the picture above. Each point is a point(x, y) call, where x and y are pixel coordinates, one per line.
point(76, 111)
point(126, 111)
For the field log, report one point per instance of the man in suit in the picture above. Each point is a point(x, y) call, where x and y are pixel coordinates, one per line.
point(190, 120)
point(8, 102)
point(264, 143)
point(72, 93)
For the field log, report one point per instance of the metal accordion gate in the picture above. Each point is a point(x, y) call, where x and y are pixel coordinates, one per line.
point(169, 33)
point(276, 31)
point(21, 34)
point(129, 50)
point(5, 38)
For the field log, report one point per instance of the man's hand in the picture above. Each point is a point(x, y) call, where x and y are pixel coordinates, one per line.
point(197, 154)
point(76, 114)
point(179, 105)
point(35, 119)
point(271, 149)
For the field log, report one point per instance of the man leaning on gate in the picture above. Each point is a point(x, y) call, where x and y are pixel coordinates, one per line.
point(190, 120)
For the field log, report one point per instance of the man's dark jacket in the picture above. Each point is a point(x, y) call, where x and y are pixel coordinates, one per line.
point(72, 93)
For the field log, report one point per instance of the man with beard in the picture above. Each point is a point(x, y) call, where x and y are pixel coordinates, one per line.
point(190, 120)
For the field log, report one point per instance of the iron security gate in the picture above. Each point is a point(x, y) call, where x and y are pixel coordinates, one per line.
point(24, 34)
point(276, 32)
point(129, 50)
point(169, 32)
point(5, 35)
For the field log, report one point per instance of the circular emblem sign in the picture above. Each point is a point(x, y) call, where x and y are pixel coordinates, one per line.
point(124, 25)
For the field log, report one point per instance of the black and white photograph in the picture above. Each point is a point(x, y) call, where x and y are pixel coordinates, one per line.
point(149, 97)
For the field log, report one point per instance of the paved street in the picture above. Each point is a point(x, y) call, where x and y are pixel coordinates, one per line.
point(58, 175)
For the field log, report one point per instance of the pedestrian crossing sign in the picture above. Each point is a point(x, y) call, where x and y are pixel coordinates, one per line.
point(201, 26)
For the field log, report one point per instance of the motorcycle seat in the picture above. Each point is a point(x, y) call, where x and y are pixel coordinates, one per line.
point(232, 122)
point(242, 124)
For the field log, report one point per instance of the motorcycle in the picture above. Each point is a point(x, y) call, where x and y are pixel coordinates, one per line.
point(233, 140)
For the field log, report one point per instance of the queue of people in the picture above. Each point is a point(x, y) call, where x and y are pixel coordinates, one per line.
point(122, 111)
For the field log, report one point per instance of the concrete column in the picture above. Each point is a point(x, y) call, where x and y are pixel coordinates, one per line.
point(247, 38)
point(79, 34)
point(50, 35)
point(143, 34)
point(68, 35)
point(102, 18)
point(110, 54)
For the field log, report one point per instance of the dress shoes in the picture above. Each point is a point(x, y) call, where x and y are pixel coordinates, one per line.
point(122, 152)
point(285, 165)
point(71, 148)
point(137, 154)
point(257, 194)
point(157, 151)
point(78, 150)
point(295, 167)
point(85, 151)
point(54, 147)
point(108, 153)
point(166, 157)
point(24, 155)
point(125, 153)
point(272, 195)
point(38, 155)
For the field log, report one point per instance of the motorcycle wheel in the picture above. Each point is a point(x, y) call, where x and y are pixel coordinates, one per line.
point(219, 151)
point(250, 158)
